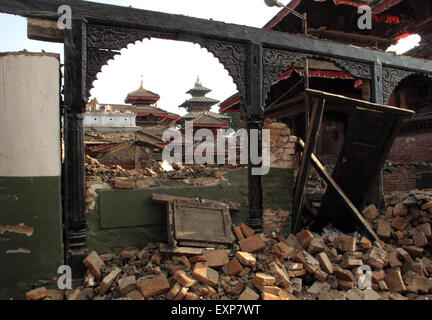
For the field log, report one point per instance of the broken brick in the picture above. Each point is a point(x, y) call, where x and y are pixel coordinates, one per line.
point(249, 294)
point(135, 295)
point(420, 239)
point(264, 279)
point(400, 210)
point(94, 263)
point(234, 267)
point(106, 283)
point(304, 238)
point(426, 229)
point(286, 251)
point(370, 212)
point(173, 292)
point(414, 251)
point(324, 262)
point(246, 230)
point(252, 244)
point(244, 272)
point(345, 243)
point(182, 277)
point(351, 263)
point(205, 274)
point(342, 274)
point(394, 281)
point(191, 296)
point(245, 258)
point(216, 258)
point(316, 245)
point(282, 278)
point(320, 275)
point(345, 285)
point(399, 223)
point(152, 286)
point(182, 293)
point(36, 294)
point(127, 284)
point(309, 262)
point(383, 229)
point(238, 233)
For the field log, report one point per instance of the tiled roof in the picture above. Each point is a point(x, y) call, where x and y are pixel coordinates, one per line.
point(193, 115)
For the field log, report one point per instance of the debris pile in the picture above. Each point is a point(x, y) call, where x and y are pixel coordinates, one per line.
point(306, 266)
point(158, 170)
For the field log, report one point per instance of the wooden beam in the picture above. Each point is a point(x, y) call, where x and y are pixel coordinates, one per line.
point(44, 30)
point(188, 29)
point(165, 199)
point(302, 176)
point(331, 183)
point(359, 103)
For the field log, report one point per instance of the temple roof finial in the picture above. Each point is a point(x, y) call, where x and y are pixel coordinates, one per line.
point(198, 82)
point(142, 83)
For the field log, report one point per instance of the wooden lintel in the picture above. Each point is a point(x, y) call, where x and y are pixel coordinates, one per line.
point(189, 29)
point(165, 199)
point(351, 102)
point(44, 30)
point(350, 206)
point(302, 177)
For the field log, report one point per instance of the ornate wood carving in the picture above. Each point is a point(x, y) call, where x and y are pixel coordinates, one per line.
point(391, 78)
point(96, 59)
point(116, 38)
point(276, 62)
point(356, 69)
point(233, 57)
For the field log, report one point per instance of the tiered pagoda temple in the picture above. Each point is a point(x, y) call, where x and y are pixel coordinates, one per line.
point(198, 108)
point(149, 116)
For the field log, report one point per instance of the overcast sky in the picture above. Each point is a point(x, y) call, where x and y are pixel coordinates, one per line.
point(169, 68)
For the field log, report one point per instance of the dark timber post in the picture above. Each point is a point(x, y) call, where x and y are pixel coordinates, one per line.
point(75, 47)
point(255, 113)
point(376, 194)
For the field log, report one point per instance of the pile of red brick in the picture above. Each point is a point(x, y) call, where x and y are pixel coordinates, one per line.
point(303, 266)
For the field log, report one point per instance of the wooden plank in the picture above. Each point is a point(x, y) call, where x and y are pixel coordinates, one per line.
point(351, 102)
point(187, 27)
point(190, 219)
point(349, 205)
point(302, 177)
point(166, 198)
point(187, 251)
point(44, 30)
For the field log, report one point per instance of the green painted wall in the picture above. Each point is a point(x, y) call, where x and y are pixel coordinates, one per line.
point(36, 203)
point(128, 218)
point(278, 191)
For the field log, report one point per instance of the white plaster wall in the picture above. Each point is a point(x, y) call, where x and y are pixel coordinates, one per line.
point(29, 115)
point(109, 119)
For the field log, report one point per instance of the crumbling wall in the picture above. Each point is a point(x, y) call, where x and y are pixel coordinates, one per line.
point(412, 147)
point(126, 217)
point(30, 199)
point(404, 176)
point(278, 183)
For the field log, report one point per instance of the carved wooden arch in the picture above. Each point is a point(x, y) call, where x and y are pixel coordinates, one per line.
point(276, 62)
point(105, 42)
point(393, 77)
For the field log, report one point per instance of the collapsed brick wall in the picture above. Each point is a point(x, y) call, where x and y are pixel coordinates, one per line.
point(412, 147)
point(282, 150)
point(403, 176)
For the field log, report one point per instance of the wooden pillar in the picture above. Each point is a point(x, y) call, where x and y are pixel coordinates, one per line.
point(376, 194)
point(255, 115)
point(75, 99)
